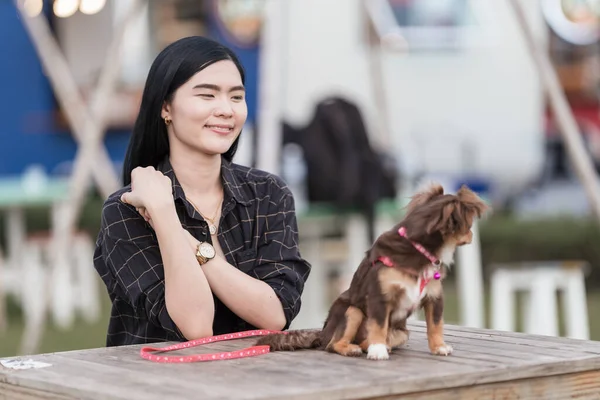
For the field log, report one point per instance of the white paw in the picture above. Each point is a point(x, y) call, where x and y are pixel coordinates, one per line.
point(443, 350)
point(378, 352)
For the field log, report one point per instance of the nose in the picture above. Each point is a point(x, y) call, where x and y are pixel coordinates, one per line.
point(467, 239)
point(224, 109)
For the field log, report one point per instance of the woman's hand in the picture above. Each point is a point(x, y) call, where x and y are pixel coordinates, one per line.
point(150, 190)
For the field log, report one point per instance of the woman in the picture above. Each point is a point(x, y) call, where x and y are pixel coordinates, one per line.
point(195, 245)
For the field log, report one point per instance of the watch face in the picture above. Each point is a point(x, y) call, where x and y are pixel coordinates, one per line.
point(206, 250)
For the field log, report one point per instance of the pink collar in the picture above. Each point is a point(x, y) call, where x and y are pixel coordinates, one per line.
point(387, 261)
point(434, 261)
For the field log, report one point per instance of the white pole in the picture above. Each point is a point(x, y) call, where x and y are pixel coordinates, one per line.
point(470, 282)
point(272, 83)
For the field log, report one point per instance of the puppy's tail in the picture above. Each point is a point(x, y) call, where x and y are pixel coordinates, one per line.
point(292, 340)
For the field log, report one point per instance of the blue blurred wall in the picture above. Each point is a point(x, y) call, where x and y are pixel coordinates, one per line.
point(27, 132)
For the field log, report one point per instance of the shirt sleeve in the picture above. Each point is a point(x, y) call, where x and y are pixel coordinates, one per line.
point(279, 262)
point(134, 264)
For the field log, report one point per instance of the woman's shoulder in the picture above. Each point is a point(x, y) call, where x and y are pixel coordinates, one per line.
point(259, 181)
point(113, 209)
point(121, 222)
point(115, 197)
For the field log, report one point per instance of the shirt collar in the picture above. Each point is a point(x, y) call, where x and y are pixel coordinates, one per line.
point(231, 184)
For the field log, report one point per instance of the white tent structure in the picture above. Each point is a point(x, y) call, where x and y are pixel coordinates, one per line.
point(356, 47)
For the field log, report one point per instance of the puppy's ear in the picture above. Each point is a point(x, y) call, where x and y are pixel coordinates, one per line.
point(472, 202)
point(445, 221)
point(424, 196)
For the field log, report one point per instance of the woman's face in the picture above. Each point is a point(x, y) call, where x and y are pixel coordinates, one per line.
point(208, 111)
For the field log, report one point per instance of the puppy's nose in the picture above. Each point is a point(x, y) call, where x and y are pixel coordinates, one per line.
point(466, 240)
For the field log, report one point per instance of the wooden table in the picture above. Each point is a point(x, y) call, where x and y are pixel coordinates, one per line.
point(485, 365)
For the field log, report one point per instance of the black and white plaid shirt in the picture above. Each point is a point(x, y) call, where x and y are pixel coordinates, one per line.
point(258, 234)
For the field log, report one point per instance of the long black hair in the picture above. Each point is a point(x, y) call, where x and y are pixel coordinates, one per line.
point(174, 66)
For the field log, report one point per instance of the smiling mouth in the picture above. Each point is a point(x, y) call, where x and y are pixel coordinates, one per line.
point(220, 128)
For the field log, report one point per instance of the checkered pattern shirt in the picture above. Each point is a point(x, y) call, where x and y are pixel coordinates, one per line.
point(258, 234)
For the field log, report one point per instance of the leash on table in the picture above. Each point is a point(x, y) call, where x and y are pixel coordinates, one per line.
point(147, 352)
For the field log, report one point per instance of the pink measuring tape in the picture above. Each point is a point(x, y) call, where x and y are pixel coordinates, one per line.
point(147, 352)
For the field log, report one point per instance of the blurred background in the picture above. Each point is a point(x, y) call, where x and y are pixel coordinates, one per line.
point(356, 104)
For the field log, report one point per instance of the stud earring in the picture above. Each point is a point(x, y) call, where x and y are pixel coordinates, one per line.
point(167, 121)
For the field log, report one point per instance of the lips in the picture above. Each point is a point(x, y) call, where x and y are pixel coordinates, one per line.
point(220, 128)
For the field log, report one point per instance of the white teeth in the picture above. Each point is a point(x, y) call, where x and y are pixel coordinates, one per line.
point(219, 128)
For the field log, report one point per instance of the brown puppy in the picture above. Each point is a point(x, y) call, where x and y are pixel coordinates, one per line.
point(401, 272)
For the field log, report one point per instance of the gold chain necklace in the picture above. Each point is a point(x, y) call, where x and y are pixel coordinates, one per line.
point(212, 227)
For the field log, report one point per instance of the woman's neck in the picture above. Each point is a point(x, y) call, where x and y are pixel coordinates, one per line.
point(198, 176)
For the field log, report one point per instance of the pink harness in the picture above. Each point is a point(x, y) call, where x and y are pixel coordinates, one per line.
point(434, 261)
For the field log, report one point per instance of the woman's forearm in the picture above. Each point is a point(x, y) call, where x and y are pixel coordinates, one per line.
point(188, 296)
point(251, 299)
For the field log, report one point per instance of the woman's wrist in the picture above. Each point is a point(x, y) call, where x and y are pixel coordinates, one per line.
point(164, 217)
point(193, 242)
point(156, 209)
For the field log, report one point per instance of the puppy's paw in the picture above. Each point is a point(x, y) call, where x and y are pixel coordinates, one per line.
point(442, 350)
point(397, 339)
point(378, 352)
point(347, 349)
point(353, 350)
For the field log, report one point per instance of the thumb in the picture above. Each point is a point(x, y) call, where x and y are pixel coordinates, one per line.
point(126, 198)
point(133, 199)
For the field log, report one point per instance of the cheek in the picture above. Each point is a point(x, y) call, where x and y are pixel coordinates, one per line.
point(190, 109)
point(241, 111)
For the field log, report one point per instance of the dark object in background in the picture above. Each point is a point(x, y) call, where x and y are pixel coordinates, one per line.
point(343, 168)
point(191, 9)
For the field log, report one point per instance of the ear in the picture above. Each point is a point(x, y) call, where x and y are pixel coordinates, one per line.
point(424, 196)
point(472, 202)
point(165, 111)
point(444, 223)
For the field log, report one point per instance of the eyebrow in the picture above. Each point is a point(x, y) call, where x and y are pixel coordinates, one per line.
point(218, 88)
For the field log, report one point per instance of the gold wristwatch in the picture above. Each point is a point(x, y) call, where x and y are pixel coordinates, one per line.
point(204, 253)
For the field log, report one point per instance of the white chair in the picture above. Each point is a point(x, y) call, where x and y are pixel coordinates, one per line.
point(33, 295)
point(541, 281)
point(86, 279)
point(74, 288)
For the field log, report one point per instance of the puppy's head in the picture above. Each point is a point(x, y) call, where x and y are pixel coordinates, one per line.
point(420, 198)
point(433, 213)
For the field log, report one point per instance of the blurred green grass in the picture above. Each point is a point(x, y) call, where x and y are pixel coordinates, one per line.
point(85, 336)
point(82, 335)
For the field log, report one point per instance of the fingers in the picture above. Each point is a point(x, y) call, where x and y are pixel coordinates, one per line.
point(131, 199)
point(124, 197)
point(144, 213)
point(148, 186)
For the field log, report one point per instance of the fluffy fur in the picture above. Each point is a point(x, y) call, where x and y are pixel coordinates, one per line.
point(371, 315)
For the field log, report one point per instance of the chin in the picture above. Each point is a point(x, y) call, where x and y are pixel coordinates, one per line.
point(218, 146)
